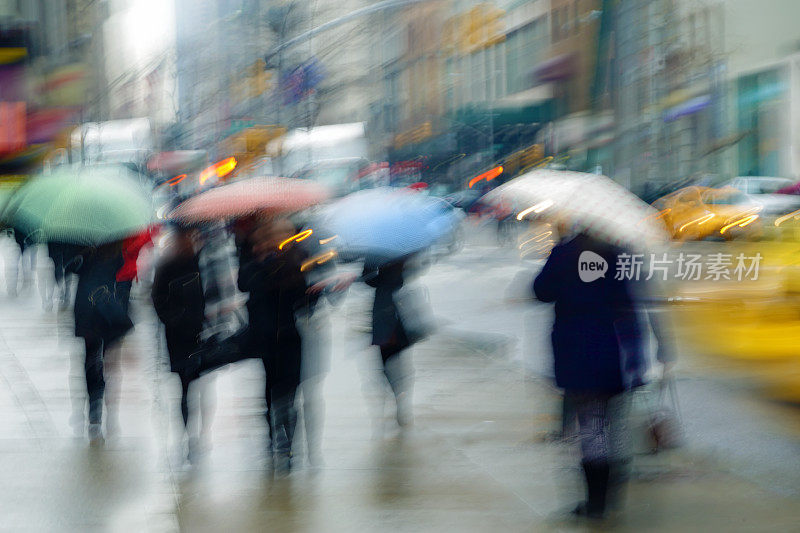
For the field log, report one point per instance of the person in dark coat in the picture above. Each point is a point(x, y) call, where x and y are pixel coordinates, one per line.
point(179, 302)
point(597, 353)
point(271, 276)
point(96, 279)
point(389, 333)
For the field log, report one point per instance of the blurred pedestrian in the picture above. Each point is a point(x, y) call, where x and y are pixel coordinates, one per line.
point(597, 351)
point(270, 273)
point(25, 259)
point(179, 302)
point(100, 319)
point(66, 259)
point(219, 279)
point(390, 334)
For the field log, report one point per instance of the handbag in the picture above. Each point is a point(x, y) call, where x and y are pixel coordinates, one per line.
point(109, 316)
point(415, 313)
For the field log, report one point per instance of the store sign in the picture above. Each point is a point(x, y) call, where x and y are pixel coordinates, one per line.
point(479, 28)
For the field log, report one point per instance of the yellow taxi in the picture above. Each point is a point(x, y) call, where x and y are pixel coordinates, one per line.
point(697, 213)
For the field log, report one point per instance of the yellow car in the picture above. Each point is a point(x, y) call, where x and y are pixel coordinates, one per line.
point(697, 213)
point(749, 327)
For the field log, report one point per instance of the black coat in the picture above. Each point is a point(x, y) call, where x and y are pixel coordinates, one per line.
point(387, 326)
point(180, 305)
point(66, 257)
point(276, 292)
point(96, 273)
point(597, 344)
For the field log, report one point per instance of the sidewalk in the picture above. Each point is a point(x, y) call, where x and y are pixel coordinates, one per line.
point(472, 462)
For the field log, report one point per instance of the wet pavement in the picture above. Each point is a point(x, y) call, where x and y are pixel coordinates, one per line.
point(474, 460)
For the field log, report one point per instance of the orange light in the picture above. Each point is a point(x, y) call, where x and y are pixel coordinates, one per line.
point(748, 220)
point(656, 216)
point(698, 221)
point(489, 175)
point(176, 180)
point(326, 241)
point(318, 260)
point(219, 169)
point(784, 218)
point(303, 235)
point(226, 166)
point(742, 222)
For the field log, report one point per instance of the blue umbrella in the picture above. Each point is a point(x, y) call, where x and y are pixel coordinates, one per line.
point(387, 224)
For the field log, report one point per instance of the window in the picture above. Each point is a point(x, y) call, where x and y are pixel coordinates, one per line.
point(556, 29)
point(567, 23)
point(512, 56)
point(499, 70)
point(478, 79)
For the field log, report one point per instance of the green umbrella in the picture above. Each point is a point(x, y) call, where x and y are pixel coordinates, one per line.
point(81, 205)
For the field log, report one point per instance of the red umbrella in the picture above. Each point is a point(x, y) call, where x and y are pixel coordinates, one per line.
point(250, 196)
point(418, 186)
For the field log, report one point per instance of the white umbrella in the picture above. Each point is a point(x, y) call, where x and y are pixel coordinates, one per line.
point(590, 202)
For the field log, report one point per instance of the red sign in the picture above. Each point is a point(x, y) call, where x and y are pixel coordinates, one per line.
point(12, 127)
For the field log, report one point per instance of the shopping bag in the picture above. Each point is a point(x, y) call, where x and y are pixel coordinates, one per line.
point(666, 426)
point(656, 417)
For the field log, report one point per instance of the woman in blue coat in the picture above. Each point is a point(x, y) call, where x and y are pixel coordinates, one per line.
point(597, 351)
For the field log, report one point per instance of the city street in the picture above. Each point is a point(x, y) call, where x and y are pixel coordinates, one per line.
point(476, 459)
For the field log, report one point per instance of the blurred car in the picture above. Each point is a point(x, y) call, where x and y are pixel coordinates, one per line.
point(764, 190)
point(696, 213)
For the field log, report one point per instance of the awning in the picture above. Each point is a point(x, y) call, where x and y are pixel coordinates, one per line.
point(503, 115)
point(434, 147)
point(533, 96)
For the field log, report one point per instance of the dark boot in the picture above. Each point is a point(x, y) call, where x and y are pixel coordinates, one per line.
point(597, 474)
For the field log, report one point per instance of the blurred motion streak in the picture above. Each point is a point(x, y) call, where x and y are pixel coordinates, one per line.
point(698, 221)
point(784, 218)
point(489, 175)
point(176, 180)
point(318, 260)
point(303, 235)
point(742, 222)
point(538, 238)
point(219, 169)
point(538, 208)
point(327, 240)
